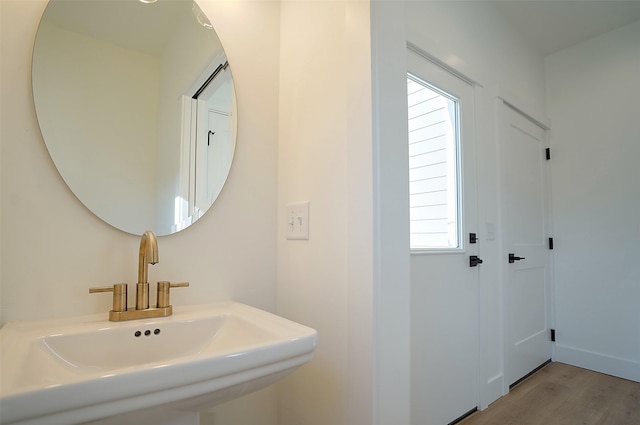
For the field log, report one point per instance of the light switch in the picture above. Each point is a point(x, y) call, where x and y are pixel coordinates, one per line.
point(298, 220)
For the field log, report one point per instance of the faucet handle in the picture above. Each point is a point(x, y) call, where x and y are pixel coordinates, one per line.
point(120, 292)
point(163, 292)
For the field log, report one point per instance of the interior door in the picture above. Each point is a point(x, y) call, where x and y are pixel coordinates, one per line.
point(526, 246)
point(444, 306)
point(219, 152)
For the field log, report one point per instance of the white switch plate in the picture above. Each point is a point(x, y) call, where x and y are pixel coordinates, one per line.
point(298, 220)
point(491, 231)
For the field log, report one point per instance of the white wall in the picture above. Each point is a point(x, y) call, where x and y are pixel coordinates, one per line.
point(53, 248)
point(593, 99)
point(325, 157)
point(72, 71)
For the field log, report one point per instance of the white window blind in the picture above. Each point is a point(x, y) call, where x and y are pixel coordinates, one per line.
point(433, 166)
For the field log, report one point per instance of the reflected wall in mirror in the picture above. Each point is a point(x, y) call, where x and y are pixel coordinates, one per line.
point(136, 105)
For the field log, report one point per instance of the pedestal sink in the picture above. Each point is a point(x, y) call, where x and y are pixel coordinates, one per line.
point(87, 369)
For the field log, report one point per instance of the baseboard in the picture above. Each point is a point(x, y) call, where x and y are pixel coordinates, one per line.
point(615, 366)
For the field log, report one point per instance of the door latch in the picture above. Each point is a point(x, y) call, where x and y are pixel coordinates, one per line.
point(513, 258)
point(474, 260)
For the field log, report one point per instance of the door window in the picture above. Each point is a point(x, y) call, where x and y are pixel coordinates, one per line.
point(434, 140)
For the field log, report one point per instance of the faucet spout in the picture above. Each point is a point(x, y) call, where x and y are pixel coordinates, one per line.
point(148, 255)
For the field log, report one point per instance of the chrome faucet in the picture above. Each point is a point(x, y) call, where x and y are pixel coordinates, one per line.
point(148, 255)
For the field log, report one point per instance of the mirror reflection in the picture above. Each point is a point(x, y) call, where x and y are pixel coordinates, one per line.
point(136, 105)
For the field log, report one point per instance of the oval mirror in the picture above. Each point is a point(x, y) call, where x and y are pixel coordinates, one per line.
point(136, 105)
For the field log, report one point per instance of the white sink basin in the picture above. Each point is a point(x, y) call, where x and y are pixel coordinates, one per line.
point(82, 369)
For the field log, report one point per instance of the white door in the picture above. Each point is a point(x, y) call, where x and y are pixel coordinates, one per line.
point(219, 152)
point(525, 240)
point(444, 305)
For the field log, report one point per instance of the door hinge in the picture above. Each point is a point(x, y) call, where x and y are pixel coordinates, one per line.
point(548, 153)
point(550, 243)
point(553, 335)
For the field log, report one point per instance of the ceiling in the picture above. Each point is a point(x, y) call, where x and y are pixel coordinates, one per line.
point(552, 25)
point(130, 24)
point(547, 25)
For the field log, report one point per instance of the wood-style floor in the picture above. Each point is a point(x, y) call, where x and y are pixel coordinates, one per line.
point(560, 394)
